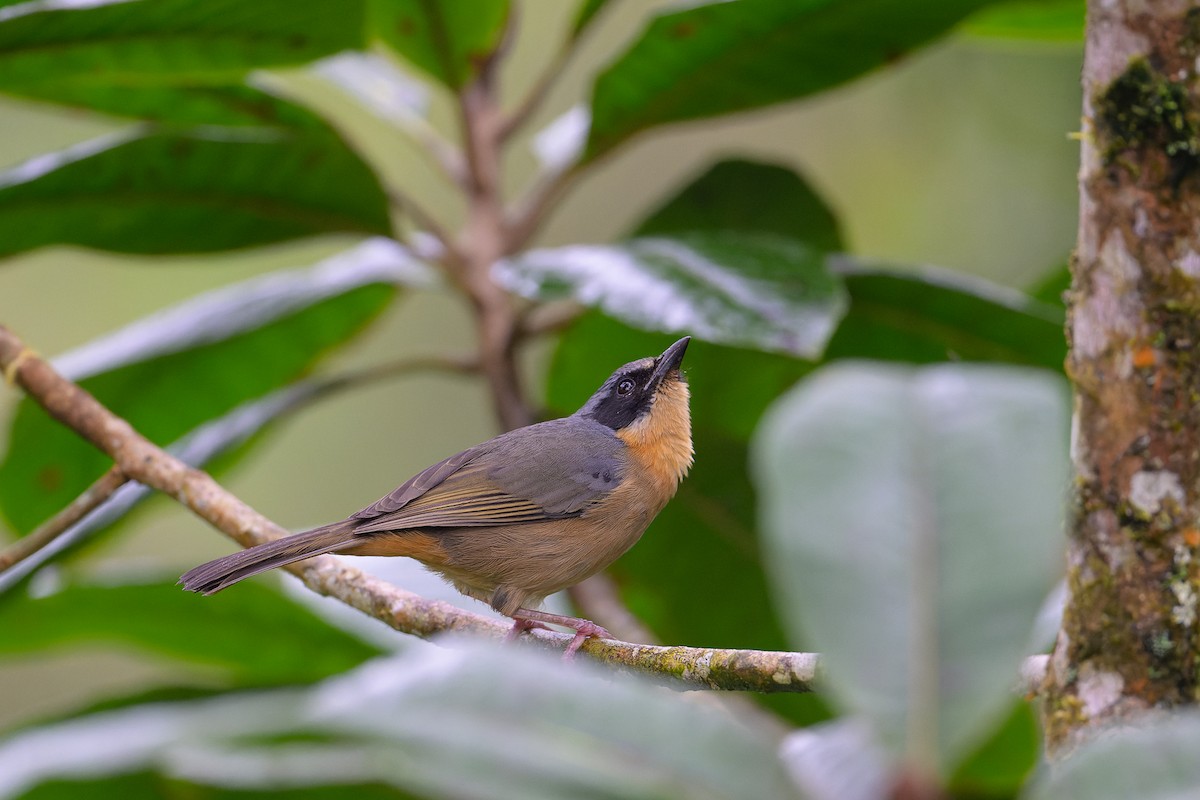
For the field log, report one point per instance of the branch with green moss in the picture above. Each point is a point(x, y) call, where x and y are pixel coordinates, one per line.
point(140, 460)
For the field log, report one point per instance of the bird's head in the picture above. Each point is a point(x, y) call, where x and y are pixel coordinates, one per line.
point(646, 402)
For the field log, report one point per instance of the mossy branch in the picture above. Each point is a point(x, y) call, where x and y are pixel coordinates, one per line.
point(139, 459)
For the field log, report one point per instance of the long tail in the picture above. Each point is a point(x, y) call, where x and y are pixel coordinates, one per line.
point(228, 570)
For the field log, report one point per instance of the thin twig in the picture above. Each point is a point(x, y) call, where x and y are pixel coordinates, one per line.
point(146, 463)
point(540, 90)
point(536, 95)
point(534, 208)
point(60, 523)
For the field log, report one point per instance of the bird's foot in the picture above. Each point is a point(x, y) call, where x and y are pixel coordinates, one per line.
point(584, 629)
point(520, 626)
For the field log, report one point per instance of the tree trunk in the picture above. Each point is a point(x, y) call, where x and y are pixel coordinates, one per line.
point(1129, 635)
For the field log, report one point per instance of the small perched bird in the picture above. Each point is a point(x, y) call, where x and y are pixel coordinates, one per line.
point(525, 514)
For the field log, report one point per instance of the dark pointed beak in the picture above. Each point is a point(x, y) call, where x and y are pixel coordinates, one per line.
point(670, 360)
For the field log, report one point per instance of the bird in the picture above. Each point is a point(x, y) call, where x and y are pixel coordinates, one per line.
point(525, 514)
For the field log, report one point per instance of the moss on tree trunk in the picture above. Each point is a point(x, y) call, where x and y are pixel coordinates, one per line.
point(1129, 637)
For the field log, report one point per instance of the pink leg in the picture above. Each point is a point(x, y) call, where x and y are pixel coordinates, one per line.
point(582, 627)
point(520, 626)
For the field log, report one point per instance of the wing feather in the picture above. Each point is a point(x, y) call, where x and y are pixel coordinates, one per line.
point(548, 471)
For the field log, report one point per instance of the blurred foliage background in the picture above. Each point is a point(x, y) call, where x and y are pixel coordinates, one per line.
point(957, 155)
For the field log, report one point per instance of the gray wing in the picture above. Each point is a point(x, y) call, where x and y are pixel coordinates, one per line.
point(547, 471)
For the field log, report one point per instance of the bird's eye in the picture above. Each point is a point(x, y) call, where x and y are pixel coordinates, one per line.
point(625, 386)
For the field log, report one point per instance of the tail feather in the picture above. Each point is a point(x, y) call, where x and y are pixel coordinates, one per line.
point(228, 570)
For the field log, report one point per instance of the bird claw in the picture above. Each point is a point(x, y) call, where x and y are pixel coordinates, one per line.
point(584, 632)
point(520, 626)
point(584, 629)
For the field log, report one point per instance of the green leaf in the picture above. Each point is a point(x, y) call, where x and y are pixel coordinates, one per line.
point(748, 289)
point(479, 721)
point(234, 105)
point(752, 197)
point(929, 315)
point(721, 58)
point(139, 43)
point(175, 192)
point(254, 635)
point(912, 521)
point(172, 371)
point(1155, 762)
point(447, 41)
point(1038, 20)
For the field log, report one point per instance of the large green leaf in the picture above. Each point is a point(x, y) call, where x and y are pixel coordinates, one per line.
point(198, 191)
point(170, 372)
point(255, 635)
point(748, 196)
point(1154, 762)
point(448, 41)
point(913, 521)
point(721, 58)
point(480, 722)
point(928, 315)
point(138, 43)
point(749, 289)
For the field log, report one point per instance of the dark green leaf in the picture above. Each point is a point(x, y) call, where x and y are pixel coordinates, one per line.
point(1038, 20)
point(1002, 764)
point(170, 372)
point(172, 192)
point(141, 43)
point(931, 315)
point(1155, 762)
point(759, 290)
point(911, 521)
point(235, 105)
point(482, 722)
point(721, 58)
point(255, 635)
point(448, 41)
point(748, 196)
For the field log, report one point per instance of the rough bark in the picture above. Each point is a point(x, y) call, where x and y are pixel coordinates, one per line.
point(1129, 635)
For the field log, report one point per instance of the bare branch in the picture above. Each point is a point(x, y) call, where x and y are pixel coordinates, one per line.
point(484, 241)
point(60, 523)
point(146, 463)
